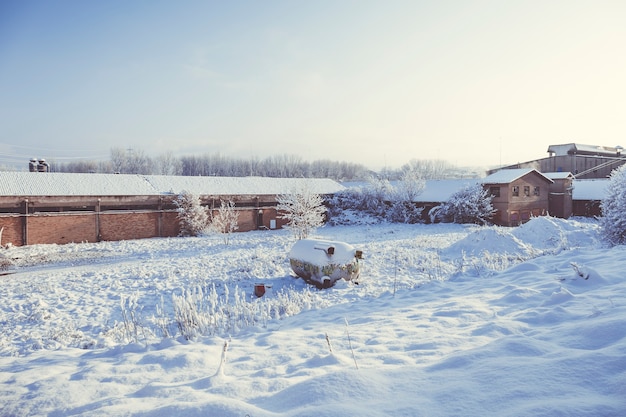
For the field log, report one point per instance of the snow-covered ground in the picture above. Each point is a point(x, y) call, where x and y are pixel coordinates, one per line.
point(447, 320)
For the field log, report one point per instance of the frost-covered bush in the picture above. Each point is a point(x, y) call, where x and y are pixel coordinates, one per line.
point(404, 212)
point(303, 210)
point(5, 262)
point(380, 199)
point(192, 217)
point(225, 220)
point(202, 311)
point(403, 208)
point(613, 219)
point(469, 205)
point(410, 186)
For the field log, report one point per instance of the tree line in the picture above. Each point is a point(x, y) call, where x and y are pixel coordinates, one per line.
point(132, 161)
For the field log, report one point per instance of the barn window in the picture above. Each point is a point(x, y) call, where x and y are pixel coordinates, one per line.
point(515, 190)
point(536, 192)
point(494, 191)
point(527, 190)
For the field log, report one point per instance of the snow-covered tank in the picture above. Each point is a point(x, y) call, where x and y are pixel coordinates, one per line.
point(323, 262)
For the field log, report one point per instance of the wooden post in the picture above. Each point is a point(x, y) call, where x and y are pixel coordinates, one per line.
point(98, 236)
point(25, 224)
point(160, 217)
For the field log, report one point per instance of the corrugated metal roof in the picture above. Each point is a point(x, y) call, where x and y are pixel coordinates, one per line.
point(71, 184)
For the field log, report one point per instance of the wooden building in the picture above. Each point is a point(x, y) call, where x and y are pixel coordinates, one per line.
point(560, 202)
point(518, 195)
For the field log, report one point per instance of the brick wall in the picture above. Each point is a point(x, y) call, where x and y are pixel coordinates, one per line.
point(125, 225)
point(67, 227)
point(61, 228)
point(246, 220)
point(169, 224)
point(12, 232)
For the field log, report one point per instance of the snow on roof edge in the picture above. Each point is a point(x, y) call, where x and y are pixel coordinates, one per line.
point(79, 184)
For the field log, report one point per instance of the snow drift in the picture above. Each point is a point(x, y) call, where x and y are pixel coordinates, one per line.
point(543, 337)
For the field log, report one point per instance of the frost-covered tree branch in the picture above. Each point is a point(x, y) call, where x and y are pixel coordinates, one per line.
point(303, 210)
point(192, 217)
point(470, 205)
point(225, 220)
point(613, 221)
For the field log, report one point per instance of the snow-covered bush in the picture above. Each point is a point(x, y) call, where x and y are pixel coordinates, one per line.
point(405, 212)
point(5, 262)
point(380, 199)
point(303, 210)
point(613, 219)
point(131, 316)
point(225, 220)
point(403, 208)
point(201, 311)
point(192, 217)
point(410, 186)
point(469, 205)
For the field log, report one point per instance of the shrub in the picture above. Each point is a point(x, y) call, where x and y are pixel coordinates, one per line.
point(470, 205)
point(303, 211)
point(192, 217)
point(380, 199)
point(225, 220)
point(613, 221)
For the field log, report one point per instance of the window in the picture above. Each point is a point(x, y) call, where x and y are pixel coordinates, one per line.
point(536, 192)
point(494, 191)
point(527, 190)
point(515, 190)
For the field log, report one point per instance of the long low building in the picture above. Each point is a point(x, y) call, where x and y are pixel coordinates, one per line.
point(61, 208)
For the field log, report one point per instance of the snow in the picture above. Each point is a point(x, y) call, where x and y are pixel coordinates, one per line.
point(316, 251)
point(436, 191)
point(324, 260)
point(77, 184)
point(505, 176)
point(446, 320)
point(592, 190)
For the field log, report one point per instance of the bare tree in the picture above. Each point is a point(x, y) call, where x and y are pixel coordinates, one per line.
point(130, 161)
point(225, 221)
point(167, 164)
point(303, 211)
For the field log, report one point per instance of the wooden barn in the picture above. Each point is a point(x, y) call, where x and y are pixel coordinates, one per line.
point(44, 207)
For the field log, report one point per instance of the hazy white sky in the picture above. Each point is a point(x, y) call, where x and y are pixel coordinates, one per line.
point(373, 82)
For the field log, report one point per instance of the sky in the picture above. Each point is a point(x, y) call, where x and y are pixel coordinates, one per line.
point(475, 83)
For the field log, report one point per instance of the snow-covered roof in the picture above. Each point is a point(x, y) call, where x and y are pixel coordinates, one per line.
point(594, 189)
point(241, 185)
point(72, 184)
point(572, 148)
point(558, 175)
point(505, 176)
point(442, 190)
